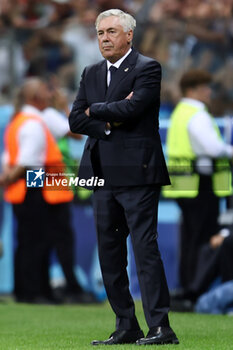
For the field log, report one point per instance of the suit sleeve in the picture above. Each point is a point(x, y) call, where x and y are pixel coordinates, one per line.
point(145, 92)
point(79, 122)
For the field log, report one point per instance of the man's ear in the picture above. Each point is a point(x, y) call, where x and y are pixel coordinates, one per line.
point(130, 36)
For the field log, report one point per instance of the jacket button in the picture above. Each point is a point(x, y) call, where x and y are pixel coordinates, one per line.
point(145, 166)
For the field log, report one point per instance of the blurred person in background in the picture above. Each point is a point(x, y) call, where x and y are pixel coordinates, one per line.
point(212, 285)
point(215, 261)
point(56, 118)
point(80, 35)
point(30, 15)
point(43, 214)
point(217, 297)
point(104, 5)
point(62, 12)
point(188, 34)
point(12, 61)
point(29, 145)
point(199, 167)
point(48, 55)
point(62, 235)
point(55, 115)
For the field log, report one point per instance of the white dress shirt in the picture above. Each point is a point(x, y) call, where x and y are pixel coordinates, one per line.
point(203, 137)
point(56, 122)
point(116, 64)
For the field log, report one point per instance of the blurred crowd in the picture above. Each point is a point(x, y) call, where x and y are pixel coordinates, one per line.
point(56, 39)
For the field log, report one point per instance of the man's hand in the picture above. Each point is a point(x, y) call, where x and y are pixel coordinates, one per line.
point(129, 96)
point(216, 241)
point(108, 126)
point(87, 112)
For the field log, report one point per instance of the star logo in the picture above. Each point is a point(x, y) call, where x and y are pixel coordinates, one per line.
point(39, 174)
point(35, 178)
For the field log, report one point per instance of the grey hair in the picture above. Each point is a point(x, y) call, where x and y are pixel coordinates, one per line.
point(127, 21)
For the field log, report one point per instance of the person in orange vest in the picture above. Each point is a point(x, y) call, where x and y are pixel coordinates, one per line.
point(42, 213)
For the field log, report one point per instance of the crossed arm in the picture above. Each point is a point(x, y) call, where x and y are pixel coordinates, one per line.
point(95, 119)
point(115, 124)
point(78, 120)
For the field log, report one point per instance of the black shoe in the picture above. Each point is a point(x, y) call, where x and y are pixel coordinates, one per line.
point(121, 337)
point(159, 335)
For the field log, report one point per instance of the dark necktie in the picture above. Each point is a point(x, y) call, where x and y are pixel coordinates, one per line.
point(112, 70)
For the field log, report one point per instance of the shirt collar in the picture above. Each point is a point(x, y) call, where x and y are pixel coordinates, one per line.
point(193, 102)
point(118, 63)
point(28, 109)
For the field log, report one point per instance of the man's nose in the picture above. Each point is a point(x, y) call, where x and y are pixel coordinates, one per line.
point(105, 37)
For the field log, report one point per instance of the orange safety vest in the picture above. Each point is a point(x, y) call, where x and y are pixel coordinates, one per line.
point(16, 192)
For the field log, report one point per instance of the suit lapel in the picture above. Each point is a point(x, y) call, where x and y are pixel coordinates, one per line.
point(102, 81)
point(122, 72)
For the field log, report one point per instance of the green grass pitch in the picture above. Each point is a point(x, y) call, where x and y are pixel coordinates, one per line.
point(36, 327)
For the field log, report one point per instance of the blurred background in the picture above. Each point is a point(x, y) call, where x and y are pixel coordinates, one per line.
point(56, 39)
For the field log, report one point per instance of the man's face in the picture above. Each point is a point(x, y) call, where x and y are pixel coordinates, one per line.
point(113, 41)
point(43, 96)
point(200, 92)
point(204, 93)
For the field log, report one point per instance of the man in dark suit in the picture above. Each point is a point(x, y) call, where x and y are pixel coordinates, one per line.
point(117, 107)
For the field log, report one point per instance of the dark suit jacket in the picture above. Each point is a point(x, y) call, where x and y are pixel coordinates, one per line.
point(132, 153)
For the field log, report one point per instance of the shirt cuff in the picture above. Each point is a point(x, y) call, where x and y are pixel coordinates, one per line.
point(224, 232)
point(107, 132)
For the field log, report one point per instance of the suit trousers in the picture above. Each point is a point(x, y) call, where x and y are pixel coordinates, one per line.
point(118, 212)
